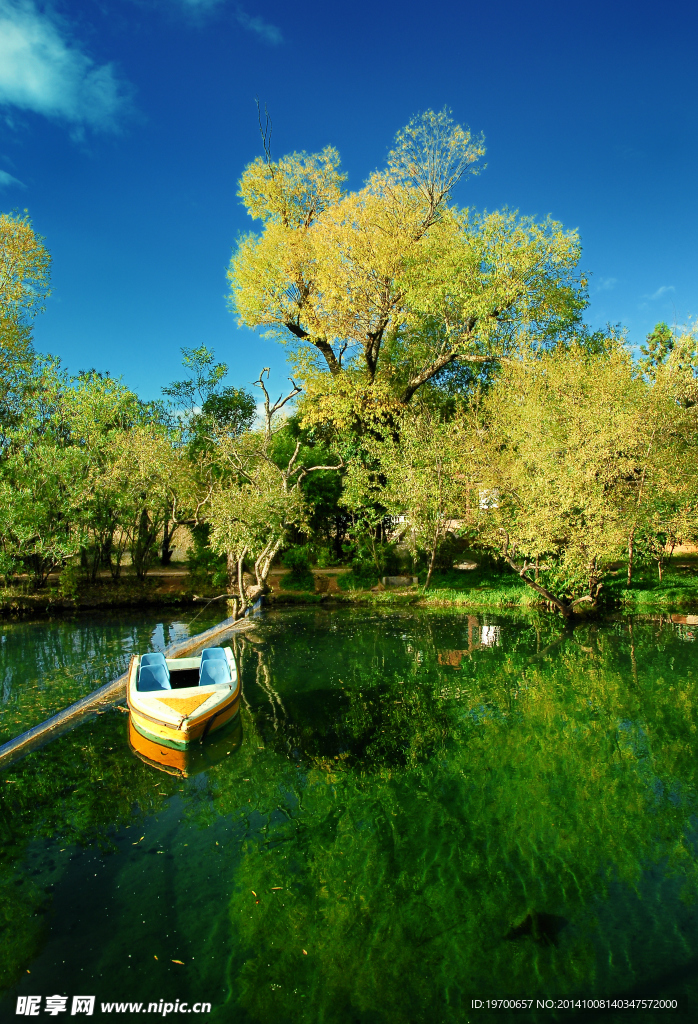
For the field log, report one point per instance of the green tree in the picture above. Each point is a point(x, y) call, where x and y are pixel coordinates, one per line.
point(417, 472)
point(203, 403)
point(255, 499)
point(205, 409)
point(664, 484)
point(559, 444)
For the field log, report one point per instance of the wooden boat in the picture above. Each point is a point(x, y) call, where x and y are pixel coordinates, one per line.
point(177, 701)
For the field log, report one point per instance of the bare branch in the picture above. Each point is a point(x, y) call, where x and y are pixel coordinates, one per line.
point(265, 132)
point(269, 409)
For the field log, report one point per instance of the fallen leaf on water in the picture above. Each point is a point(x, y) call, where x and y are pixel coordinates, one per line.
point(178, 962)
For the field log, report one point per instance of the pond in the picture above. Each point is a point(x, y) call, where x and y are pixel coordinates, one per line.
point(414, 811)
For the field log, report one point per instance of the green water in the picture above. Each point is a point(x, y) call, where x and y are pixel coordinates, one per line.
point(415, 811)
point(46, 665)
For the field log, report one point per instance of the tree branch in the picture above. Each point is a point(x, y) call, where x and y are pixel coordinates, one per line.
point(321, 344)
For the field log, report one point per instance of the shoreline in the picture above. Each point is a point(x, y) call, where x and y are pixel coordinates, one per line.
point(481, 591)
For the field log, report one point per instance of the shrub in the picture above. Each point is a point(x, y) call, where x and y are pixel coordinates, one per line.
point(204, 565)
point(297, 561)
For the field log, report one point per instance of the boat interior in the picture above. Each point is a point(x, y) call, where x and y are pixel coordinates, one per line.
point(155, 672)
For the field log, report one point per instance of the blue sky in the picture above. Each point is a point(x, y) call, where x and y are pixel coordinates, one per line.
point(124, 127)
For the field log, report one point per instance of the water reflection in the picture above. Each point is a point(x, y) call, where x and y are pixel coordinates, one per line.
point(395, 832)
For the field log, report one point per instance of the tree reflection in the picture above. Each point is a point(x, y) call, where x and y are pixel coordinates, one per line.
point(459, 830)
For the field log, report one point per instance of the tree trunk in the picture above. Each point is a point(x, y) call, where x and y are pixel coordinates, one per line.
point(166, 551)
point(144, 545)
point(565, 608)
point(338, 535)
point(432, 560)
point(231, 565)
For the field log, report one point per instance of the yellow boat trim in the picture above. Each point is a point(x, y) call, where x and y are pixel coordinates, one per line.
point(185, 705)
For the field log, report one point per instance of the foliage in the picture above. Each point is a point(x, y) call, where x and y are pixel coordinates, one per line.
point(297, 560)
point(563, 443)
point(418, 471)
point(85, 466)
point(256, 500)
point(204, 565)
point(378, 291)
point(204, 406)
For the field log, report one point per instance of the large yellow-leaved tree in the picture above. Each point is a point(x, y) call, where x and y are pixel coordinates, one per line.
point(378, 291)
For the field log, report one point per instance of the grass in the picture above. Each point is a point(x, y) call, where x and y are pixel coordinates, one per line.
point(483, 588)
point(678, 589)
point(474, 588)
point(349, 582)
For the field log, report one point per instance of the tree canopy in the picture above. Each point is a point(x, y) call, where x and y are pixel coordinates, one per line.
point(377, 291)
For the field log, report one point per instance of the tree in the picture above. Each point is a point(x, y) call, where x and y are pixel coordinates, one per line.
point(658, 346)
point(202, 400)
point(25, 267)
point(559, 445)
point(379, 290)
point(204, 408)
point(416, 471)
point(664, 484)
point(86, 468)
point(149, 482)
point(254, 499)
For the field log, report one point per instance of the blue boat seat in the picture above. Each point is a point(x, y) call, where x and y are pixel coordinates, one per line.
point(213, 653)
point(214, 667)
point(155, 658)
point(154, 673)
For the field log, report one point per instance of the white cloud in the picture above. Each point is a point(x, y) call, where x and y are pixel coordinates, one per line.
point(660, 292)
point(263, 29)
point(606, 284)
point(7, 180)
point(42, 70)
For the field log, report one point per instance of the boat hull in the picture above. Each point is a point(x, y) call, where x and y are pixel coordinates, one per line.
point(193, 759)
point(180, 739)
